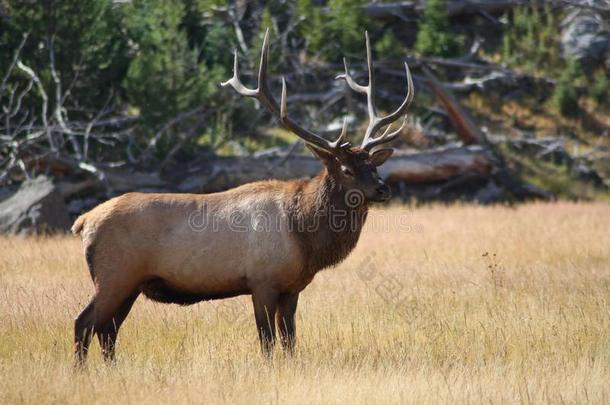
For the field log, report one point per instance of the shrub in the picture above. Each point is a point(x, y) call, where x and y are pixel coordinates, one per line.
point(434, 37)
point(164, 76)
point(86, 42)
point(337, 33)
point(530, 40)
point(565, 96)
point(600, 88)
point(389, 47)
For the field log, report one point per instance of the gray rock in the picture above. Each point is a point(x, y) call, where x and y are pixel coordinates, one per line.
point(36, 207)
point(584, 172)
point(549, 149)
point(6, 192)
point(584, 36)
point(489, 193)
point(79, 206)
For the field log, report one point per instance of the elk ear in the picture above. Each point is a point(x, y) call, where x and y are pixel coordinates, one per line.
point(325, 157)
point(380, 156)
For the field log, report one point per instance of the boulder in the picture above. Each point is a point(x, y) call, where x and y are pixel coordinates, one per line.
point(37, 207)
point(584, 35)
point(549, 148)
point(583, 171)
point(490, 193)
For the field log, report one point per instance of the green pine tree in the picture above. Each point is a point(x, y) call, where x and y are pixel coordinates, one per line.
point(565, 96)
point(389, 46)
point(86, 41)
point(600, 88)
point(165, 76)
point(337, 33)
point(434, 37)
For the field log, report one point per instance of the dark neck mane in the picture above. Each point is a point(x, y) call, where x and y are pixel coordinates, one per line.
point(326, 225)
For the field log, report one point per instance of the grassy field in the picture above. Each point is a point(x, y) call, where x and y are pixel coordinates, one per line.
point(437, 304)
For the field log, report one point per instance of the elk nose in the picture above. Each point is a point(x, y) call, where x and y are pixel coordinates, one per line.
point(384, 191)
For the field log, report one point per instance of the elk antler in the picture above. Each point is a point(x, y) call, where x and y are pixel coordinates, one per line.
point(375, 121)
point(263, 94)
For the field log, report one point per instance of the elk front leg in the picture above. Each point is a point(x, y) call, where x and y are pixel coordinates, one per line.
point(287, 306)
point(265, 305)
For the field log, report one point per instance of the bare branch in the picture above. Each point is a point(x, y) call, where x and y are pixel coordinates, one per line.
point(89, 127)
point(45, 102)
point(13, 63)
point(59, 101)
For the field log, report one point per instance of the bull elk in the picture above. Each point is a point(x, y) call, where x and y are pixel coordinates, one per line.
point(150, 244)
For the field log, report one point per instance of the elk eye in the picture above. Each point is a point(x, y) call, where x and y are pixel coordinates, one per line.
point(347, 171)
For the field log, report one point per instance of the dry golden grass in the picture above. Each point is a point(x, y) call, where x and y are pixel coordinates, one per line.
point(446, 304)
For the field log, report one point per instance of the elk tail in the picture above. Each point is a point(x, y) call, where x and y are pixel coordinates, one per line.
point(78, 224)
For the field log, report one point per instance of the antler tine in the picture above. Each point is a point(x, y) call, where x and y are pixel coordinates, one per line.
point(347, 76)
point(370, 95)
point(263, 94)
point(379, 122)
point(339, 143)
point(387, 136)
point(405, 104)
point(375, 121)
point(264, 63)
point(236, 83)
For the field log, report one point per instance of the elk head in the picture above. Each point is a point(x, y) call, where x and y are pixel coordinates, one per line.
point(352, 167)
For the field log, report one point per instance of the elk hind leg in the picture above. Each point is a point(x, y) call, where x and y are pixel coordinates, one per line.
point(83, 329)
point(107, 335)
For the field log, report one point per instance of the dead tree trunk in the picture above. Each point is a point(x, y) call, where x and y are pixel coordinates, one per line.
point(470, 134)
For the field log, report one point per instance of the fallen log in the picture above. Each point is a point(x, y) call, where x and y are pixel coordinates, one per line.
point(410, 167)
point(437, 165)
point(456, 8)
point(221, 173)
point(447, 165)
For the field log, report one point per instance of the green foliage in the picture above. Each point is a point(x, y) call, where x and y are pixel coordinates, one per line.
point(277, 58)
point(434, 37)
point(565, 96)
point(85, 40)
point(507, 47)
point(310, 26)
point(212, 37)
point(160, 59)
point(530, 41)
point(600, 88)
point(389, 47)
point(164, 76)
point(337, 33)
point(346, 25)
point(267, 20)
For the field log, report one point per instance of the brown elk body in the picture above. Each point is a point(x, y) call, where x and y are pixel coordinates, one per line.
point(267, 239)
